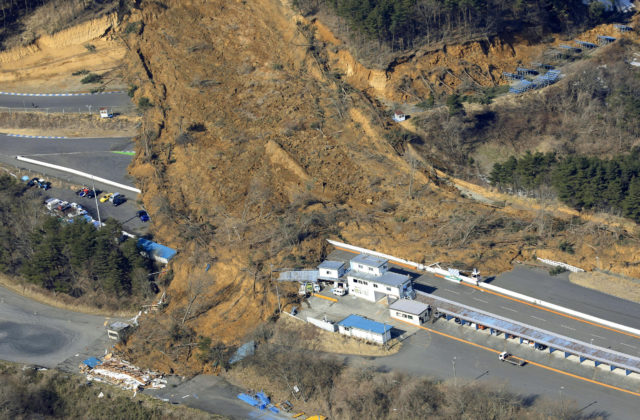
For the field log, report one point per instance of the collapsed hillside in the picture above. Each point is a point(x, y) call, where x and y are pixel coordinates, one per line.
point(253, 151)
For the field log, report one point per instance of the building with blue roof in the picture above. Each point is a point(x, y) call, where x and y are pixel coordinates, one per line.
point(364, 328)
point(156, 251)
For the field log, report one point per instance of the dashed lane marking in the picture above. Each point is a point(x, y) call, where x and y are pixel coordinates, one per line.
point(508, 309)
point(567, 327)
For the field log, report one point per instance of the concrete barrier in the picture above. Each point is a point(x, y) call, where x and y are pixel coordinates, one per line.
point(80, 173)
point(561, 264)
point(559, 308)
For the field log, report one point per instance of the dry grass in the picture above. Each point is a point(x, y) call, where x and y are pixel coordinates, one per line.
point(56, 300)
point(68, 125)
point(624, 288)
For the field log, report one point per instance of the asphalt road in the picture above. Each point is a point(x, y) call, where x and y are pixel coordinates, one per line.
point(92, 155)
point(125, 213)
point(559, 290)
point(33, 333)
point(81, 103)
point(534, 316)
point(432, 355)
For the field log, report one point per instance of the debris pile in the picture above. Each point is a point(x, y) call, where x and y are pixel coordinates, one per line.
point(121, 373)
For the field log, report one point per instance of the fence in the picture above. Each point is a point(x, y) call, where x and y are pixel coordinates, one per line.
point(325, 325)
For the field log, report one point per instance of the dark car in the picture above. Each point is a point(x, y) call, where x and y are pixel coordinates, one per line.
point(118, 199)
point(143, 215)
point(41, 183)
point(32, 182)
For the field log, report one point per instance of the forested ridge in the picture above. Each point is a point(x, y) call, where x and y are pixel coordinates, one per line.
point(581, 182)
point(407, 23)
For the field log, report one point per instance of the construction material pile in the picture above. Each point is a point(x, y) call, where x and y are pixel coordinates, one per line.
point(121, 373)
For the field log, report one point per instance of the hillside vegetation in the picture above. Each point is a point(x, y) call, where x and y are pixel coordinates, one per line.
point(75, 258)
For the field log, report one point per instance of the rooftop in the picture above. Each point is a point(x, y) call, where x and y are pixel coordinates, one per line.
point(389, 278)
point(369, 260)
point(331, 265)
point(362, 323)
point(409, 306)
point(118, 326)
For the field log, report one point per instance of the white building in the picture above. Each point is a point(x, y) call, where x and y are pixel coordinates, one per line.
point(369, 264)
point(410, 311)
point(370, 279)
point(366, 329)
point(331, 270)
point(399, 116)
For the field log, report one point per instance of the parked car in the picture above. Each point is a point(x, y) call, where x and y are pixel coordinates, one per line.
point(51, 203)
point(63, 205)
point(116, 199)
point(41, 183)
point(317, 288)
point(85, 192)
point(143, 215)
point(105, 197)
point(339, 291)
point(32, 182)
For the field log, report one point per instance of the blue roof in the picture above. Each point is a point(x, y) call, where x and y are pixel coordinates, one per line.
point(92, 362)
point(361, 323)
point(156, 250)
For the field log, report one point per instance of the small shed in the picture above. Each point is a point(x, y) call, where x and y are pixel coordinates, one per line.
point(410, 311)
point(331, 270)
point(156, 251)
point(118, 330)
point(105, 113)
point(399, 116)
point(366, 329)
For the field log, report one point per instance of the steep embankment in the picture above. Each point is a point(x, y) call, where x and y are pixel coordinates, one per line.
point(253, 153)
point(47, 64)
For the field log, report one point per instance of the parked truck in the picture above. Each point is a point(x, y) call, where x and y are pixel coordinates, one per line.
point(509, 358)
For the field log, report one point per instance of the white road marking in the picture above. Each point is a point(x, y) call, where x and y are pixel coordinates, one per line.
point(508, 309)
point(480, 300)
point(567, 327)
point(452, 291)
point(538, 318)
point(629, 345)
point(599, 336)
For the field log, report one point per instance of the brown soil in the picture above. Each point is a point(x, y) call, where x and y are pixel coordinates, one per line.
point(68, 125)
point(47, 65)
point(289, 157)
point(616, 285)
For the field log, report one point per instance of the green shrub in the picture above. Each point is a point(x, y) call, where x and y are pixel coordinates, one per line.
point(566, 247)
point(557, 270)
point(90, 47)
point(144, 103)
point(91, 78)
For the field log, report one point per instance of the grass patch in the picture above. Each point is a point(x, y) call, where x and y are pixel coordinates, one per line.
point(91, 78)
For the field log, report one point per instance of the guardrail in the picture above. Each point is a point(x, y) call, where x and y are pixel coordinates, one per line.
point(80, 173)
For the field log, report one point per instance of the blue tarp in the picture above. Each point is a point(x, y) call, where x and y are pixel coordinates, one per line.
point(92, 362)
point(155, 250)
point(356, 321)
point(263, 398)
point(249, 400)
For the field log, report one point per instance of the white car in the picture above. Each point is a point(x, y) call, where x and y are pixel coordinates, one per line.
point(339, 291)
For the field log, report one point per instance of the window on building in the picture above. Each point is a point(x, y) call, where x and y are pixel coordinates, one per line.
point(410, 316)
point(370, 268)
point(388, 289)
point(398, 313)
point(375, 285)
point(328, 272)
point(355, 280)
point(360, 266)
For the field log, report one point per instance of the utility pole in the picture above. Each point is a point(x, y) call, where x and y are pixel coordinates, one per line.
point(277, 292)
point(95, 197)
point(453, 363)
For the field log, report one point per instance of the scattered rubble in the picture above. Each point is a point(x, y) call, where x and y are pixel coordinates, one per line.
point(116, 371)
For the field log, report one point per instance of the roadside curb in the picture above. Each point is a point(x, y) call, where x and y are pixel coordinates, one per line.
point(34, 137)
point(60, 94)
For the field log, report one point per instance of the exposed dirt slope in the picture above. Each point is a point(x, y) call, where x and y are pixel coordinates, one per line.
point(253, 153)
point(46, 65)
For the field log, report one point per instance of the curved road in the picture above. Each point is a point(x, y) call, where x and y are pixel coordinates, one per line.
point(75, 103)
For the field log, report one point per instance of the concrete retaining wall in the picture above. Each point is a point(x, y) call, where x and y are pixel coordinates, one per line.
point(328, 326)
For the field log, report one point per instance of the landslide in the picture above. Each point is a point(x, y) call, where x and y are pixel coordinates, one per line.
point(253, 150)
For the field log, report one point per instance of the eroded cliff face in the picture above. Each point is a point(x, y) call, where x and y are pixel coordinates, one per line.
point(253, 154)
